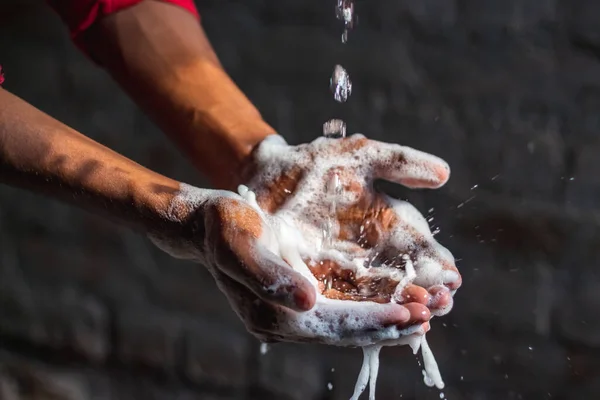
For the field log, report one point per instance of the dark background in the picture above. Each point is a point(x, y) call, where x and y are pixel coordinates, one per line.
point(507, 91)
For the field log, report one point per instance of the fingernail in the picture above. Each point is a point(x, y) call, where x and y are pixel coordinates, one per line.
point(304, 300)
point(452, 279)
point(418, 312)
point(403, 314)
point(398, 316)
point(416, 294)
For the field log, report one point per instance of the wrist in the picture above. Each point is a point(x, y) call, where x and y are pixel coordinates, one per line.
point(239, 141)
point(154, 197)
point(224, 129)
point(179, 219)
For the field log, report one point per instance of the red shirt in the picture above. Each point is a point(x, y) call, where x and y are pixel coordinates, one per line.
point(79, 15)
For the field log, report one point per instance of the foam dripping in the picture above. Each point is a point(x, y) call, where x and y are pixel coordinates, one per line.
point(368, 372)
point(370, 366)
point(283, 238)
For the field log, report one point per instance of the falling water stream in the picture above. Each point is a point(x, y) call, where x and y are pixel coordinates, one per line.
point(341, 88)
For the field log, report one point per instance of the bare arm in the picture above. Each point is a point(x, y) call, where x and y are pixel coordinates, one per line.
point(41, 154)
point(160, 55)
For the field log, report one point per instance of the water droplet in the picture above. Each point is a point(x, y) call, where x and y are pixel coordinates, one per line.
point(334, 128)
point(328, 232)
point(264, 347)
point(340, 84)
point(330, 386)
point(334, 186)
point(328, 283)
point(344, 11)
point(442, 395)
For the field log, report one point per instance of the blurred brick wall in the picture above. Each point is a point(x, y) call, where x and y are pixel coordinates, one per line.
point(508, 91)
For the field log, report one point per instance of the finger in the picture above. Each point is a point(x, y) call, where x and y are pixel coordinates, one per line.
point(406, 166)
point(415, 294)
point(353, 317)
point(419, 314)
point(395, 316)
point(452, 278)
point(267, 275)
point(441, 300)
point(241, 256)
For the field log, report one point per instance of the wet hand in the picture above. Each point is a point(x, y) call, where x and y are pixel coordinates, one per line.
point(325, 188)
point(222, 231)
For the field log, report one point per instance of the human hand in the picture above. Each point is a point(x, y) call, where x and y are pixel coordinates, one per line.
point(325, 189)
point(223, 231)
point(233, 238)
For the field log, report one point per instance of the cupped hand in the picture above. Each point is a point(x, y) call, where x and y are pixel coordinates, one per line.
point(325, 188)
point(226, 233)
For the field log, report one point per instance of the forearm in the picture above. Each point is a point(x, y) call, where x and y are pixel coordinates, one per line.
point(161, 57)
point(43, 155)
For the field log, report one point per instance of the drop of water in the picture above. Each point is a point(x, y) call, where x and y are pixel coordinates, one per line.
point(334, 128)
point(264, 347)
point(334, 186)
point(340, 84)
point(330, 386)
point(328, 233)
point(344, 11)
point(328, 283)
point(345, 36)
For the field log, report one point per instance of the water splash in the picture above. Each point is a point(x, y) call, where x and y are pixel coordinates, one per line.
point(334, 129)
point(340, 84)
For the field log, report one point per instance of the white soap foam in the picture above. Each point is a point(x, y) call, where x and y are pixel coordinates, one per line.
point(291, 233)
point(337, 322)
point(431, 375)
point(288, 243)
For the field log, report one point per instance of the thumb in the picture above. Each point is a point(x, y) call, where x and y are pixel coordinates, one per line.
point(247, 261)
point(278, 282)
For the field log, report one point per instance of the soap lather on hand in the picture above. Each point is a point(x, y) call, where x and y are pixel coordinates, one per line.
point(267, 254)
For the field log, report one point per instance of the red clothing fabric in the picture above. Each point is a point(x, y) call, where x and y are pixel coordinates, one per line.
point(79, 15)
